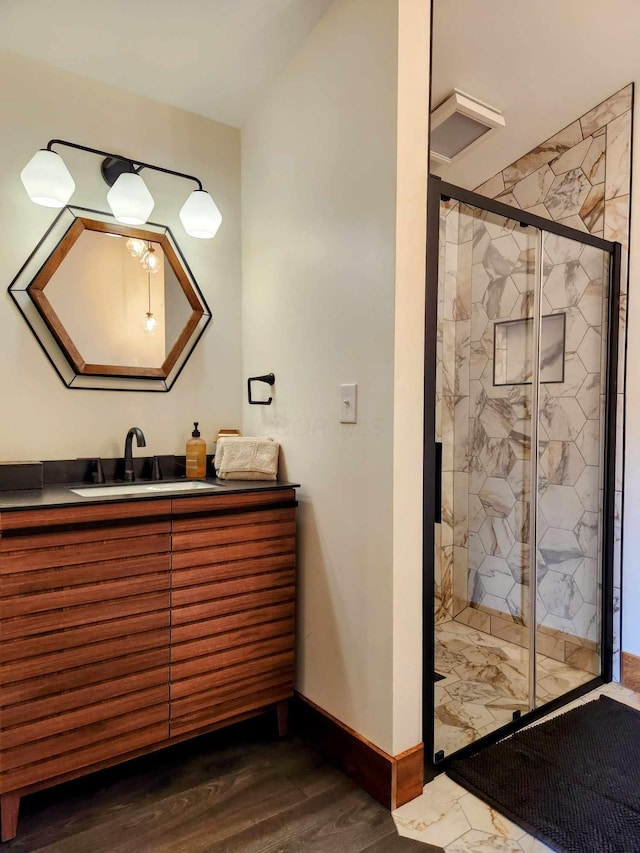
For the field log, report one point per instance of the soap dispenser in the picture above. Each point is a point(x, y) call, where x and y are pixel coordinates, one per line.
point(196, 455)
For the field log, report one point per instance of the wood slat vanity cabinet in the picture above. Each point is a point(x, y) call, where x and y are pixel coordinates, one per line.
point(125, 627)
point(232, 606)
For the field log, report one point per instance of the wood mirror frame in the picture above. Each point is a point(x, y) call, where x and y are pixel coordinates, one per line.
point(28, 290)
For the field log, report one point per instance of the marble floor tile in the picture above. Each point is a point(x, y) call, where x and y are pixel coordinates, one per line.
point(445, 808)
point(485, 681)
point(437, 813)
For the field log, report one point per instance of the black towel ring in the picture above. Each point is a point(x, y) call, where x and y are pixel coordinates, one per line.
point(270, 379)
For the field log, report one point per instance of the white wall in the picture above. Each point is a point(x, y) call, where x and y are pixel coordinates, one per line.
point(320, 182)
point(40, 418)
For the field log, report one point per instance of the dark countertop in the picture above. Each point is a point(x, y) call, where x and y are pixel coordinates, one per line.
point(61, 495)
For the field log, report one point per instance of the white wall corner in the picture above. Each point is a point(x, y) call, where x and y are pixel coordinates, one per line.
point(412, 175)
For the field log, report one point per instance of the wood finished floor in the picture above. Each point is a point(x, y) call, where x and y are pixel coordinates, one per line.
point(239, 790)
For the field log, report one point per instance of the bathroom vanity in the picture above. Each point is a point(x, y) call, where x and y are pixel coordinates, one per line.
point(129, 624)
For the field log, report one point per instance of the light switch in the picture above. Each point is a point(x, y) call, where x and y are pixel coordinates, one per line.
point(349, 404)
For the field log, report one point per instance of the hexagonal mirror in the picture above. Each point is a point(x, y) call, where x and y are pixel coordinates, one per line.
point(113, 306)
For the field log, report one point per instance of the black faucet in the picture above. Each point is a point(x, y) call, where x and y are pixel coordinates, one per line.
point(129, 476)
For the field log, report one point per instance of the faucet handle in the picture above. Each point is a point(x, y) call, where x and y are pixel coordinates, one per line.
point(156, 472)
point(97, 475)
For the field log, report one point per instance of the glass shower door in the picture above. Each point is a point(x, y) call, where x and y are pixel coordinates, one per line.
point(571, 465)
point(523, 422)
point(487, 279)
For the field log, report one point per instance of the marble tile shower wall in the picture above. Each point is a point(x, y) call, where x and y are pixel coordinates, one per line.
point(452, 381)
point(570, 417)
point(482, 544)
point(499, 430)
point(581, 177)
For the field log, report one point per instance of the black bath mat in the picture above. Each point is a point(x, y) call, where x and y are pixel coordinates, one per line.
point(573, 782)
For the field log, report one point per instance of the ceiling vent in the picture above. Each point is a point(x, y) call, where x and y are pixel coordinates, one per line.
point(458, 124)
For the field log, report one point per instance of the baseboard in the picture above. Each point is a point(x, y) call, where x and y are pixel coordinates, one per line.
point(392, 780)
point(631, 671)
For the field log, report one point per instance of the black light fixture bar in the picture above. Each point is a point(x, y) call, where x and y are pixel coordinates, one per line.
point(115, 165)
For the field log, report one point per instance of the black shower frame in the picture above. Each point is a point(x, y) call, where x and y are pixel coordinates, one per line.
point(438, 191)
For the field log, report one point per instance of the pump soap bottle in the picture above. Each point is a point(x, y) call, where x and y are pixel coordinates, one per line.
point(196, 455)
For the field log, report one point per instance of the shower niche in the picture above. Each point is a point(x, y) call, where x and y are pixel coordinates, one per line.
point(520, 416)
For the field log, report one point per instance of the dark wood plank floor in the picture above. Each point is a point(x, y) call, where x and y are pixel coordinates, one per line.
point(238, 790)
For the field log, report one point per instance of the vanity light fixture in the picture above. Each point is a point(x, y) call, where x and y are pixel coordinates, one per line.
point(48, 182)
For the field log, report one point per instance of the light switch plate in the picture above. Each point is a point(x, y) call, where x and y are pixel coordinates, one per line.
point(349, 403)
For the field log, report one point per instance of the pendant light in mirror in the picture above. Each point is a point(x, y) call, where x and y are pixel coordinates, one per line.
point(136, 247)
point(150, 324)
point(150, 260)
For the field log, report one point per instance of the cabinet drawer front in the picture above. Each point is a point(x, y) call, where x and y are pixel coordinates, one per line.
point(85, 552)
point(43, 644)
point(234, 604)
point(71, 679)
point(80, 595)
point(237, 569)
point(235, 533)
point(43, 664)
point(24, 520)
point(235, 587)
point(47, 767)
point(239, 551)
point(219, 642)
point(227, 658)
point(82, 737)
point(232, 622)
point(57, 538)
point(82, 697)
point(231, 674)
point(231, 519)
point(59, 620)
point(219, 711)
point(221, 503)
point(201, 702)
point(23, 583)
point(70, 721)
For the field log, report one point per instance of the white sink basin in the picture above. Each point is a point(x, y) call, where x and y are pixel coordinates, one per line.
point(142, 488)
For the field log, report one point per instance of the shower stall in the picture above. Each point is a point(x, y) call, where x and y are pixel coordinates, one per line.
point(519, 447)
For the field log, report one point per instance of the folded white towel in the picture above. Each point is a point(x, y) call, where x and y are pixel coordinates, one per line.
point(246, 458)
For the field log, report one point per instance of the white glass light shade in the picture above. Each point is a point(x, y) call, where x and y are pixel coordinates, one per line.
point(47, 180)
point(200, 215)
point(130, 200)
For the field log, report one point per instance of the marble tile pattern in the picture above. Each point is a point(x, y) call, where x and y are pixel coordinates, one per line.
point(486, 680)
point(499, 417)
point(449, 816)
point(581, 177)
point(452, 409)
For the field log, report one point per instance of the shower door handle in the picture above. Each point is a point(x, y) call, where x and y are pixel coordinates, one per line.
point(437, 492)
